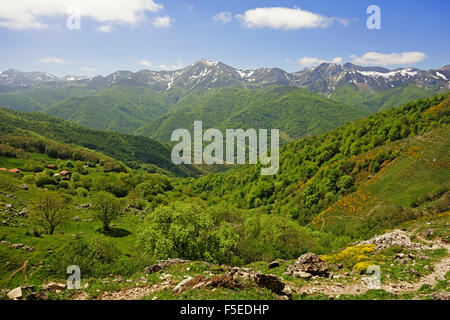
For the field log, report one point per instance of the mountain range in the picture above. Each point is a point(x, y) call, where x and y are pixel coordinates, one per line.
point(206, 74)
point(154, 103)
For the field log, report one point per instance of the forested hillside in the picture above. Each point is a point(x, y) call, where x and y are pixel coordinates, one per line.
point(390, 170)
point(135, 151)
point(318, 171)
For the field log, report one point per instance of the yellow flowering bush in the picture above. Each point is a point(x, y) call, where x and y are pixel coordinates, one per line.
point(351, 256)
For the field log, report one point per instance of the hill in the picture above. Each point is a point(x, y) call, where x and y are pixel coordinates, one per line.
point(296, 112)
point(317, 172)
point(133, 150)
point(218, 236)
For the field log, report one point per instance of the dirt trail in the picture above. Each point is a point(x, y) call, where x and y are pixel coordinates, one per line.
point(22, 268)
point(135, 293)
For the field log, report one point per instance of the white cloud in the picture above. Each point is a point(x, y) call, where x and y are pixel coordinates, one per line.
point(105, 28)
point(53, 60)
point(286, 19)
point(175, 66)
point(28, 14)
point(87, 69)
point(224, 17)
point(144, 63)
point(313, 61)
point(163, 22)
point(389, 59)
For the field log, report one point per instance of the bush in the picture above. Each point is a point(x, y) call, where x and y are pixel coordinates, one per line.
point(104, 249)
point(350, 257)
point(267, 237)
point(186, 231)
point(29, 179)
point(42, 179)
point(82, 192)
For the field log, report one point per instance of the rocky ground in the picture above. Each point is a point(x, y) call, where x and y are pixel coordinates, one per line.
point(307, 277)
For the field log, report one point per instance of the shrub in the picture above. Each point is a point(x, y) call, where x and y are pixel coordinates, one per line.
point(82, 192)
point(186, 231)
point(104, 249)
point(28, 179)
point(351, 256)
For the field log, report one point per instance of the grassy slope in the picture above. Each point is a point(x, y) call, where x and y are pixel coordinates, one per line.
point(422, 168)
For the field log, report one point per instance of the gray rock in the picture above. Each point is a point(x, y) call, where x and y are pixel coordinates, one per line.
point(54, 286)
point(309, 263)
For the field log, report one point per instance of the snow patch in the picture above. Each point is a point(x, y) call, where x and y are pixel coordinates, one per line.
point(440, 75)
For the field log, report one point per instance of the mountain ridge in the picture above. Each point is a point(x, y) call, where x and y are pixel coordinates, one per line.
point(324, 78)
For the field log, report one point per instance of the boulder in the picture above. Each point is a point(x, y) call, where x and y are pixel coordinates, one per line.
point(233, 280)
point(15, 293)
point(271, 282)
point(308, 263)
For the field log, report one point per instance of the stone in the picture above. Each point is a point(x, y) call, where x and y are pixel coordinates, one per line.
point(54, 286)
point(15, 293)
point(179, 287)
point(309, 263)
point(396, 237)
point(302, 274)
point(274, 264)
point(162, 264)
point(440, 296)
point(271, 282)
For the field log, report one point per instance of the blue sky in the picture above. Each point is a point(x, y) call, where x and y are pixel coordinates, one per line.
point(167, 34)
